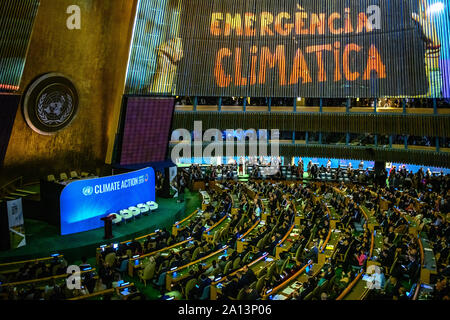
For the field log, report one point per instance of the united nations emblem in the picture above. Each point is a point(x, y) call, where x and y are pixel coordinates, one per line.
point(87, 191)
point(50, 103)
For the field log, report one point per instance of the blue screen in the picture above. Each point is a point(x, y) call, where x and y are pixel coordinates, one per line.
point(84, 202)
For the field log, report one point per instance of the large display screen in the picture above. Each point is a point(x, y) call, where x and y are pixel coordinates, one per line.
point(84, 202)
point(145, 135)
point(285, 48)
point(16, 24)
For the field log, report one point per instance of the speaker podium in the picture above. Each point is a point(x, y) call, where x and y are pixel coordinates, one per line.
point(108, 227)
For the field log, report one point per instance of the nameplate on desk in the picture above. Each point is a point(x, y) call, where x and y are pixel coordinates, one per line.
point(288, 291)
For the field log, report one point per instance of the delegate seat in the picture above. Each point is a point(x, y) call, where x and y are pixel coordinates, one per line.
point(116, 219)
point(126, 215)
point(63, 177)
point(148, 273)
point(145, 209)
point(134, 211)
point(153, 205)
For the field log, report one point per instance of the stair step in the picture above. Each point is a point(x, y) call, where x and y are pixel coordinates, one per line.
point(18, 194)
point(26, 191)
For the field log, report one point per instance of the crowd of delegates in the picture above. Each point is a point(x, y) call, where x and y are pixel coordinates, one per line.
point(39, 269)
point(56, 288)
point(396, 177)
point(424, 196)
point(403, 190)
point(261, 168)
point(220, 205)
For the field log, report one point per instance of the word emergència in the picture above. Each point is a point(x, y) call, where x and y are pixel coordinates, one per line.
point(260, 59)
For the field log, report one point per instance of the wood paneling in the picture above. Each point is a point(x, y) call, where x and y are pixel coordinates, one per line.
point(95, 58)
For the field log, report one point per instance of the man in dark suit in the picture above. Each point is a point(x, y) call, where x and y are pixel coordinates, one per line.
point(248, 277)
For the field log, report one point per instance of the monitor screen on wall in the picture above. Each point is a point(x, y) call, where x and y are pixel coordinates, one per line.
point(145, 130)
point(285, 48)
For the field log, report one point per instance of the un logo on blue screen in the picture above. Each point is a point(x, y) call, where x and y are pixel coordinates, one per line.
point(87, 191)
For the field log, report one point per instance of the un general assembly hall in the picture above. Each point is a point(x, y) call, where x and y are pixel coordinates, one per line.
point(231, 152)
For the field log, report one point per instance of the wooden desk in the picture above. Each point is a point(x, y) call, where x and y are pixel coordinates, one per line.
point(359, 290)
point(282, 291)
point(11, 267)
point(208, 234)
point(429, 262)
point(243, 242)
point(241, 245)
point(370, 216)
point(133, 268)
point(256, 266)
point(178, 274)
point(329, 247)
point(287, 241)
point(180, 225)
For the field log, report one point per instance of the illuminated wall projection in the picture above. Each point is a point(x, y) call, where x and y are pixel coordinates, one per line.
point(16, 24)
point(284, 48)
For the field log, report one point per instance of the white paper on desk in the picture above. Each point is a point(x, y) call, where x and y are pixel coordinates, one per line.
point(279, 297)
point(288, 291)
point(428, 249)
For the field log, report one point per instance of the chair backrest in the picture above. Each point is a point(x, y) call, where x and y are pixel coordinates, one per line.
point(393, 265)
point(195, 253)
point(271, 271)
point(236, 263)
point(246, 257)
point(162, 279)
point(266, 238)
point(240, 295)
point(261, 273)
point(63, 176)
point(205, 294)
point(110, 258)
point(283, 266)
point(260, 284)
point(216, 236)
point(299, 252)
point(54, 269)
point(123, 265)
point(149, 271)
point(73, 174)
point(189, 285)
point(215, 272)
point(124, 212)
point(260, 244)
point(317, 290)
point(324, 286)
point(227, 267)
point(309, 296)
point(51, 178)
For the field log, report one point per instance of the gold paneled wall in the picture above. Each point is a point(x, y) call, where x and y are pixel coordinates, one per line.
point(95, 58)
